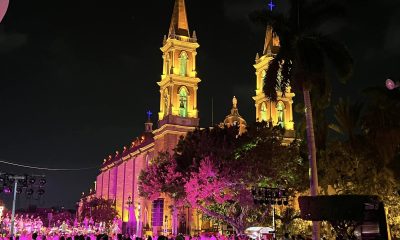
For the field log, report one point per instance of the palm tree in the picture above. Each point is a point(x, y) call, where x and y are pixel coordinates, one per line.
point(348, 117)
point(302, 61)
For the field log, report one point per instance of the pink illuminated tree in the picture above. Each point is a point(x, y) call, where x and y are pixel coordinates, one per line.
point(213, 170)
point(215, 194)
point(161, 177)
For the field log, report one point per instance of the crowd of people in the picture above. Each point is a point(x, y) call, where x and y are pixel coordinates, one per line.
point(28, 227)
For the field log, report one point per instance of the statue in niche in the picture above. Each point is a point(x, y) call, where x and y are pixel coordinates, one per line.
point(166, 102)
point(183, 61)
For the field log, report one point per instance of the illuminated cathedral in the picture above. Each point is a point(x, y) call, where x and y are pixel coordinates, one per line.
point(178, 114)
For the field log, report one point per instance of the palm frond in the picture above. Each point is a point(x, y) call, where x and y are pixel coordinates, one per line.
point(318, 12)
point(336, 128)
point(340, 57)
point(271, 79)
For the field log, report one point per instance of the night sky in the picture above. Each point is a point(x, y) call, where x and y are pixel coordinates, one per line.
point(77, 77)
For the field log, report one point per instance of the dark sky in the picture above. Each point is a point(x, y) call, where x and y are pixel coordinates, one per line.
point(76, 77)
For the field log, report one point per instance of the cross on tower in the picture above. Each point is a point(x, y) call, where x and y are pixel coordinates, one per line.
point(271, 5)
point(149, 114)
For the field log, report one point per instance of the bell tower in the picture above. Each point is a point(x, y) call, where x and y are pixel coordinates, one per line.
point(179, 82)
point(281, 111)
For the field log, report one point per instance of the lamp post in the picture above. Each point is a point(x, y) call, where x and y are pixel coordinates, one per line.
point(129, 203)
point(165, 225)
point(390, 84)
point(270, 197)
point(138, 229)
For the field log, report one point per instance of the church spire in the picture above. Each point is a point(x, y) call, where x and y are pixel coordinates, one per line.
point(179, 24)
point(271, 44)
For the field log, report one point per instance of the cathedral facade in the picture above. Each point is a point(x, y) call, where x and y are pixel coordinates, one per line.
point(178, 115)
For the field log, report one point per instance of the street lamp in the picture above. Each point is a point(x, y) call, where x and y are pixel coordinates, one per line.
point(165, 225)
point(129, 202)
point(138, 229)
point(390, 84)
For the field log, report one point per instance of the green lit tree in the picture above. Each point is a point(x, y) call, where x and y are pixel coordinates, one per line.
point(101, 210)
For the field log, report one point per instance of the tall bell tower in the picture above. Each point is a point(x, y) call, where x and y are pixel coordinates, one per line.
point(179, 82)
point(281, 111)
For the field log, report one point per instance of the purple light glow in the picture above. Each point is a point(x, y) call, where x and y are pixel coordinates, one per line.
point(7, 190)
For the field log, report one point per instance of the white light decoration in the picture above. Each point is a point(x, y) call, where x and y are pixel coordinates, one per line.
point(1, 211)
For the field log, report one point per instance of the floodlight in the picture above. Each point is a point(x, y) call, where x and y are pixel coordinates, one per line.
point(32, 180)
point(42, 181)
point(41, 191)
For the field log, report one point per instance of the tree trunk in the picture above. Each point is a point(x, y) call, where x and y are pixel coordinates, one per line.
point(312, 155)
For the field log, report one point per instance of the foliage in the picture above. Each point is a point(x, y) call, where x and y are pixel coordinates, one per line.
point(347, 116)
point(366, 163)
point(59, 217)
point(99, 209)
point(214, 170)
point(161, 177)
point(209, 142)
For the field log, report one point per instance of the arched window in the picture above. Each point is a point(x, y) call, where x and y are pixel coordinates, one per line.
point(263, 112)
point(280, 108)
point(183, 102)
point(183, 62)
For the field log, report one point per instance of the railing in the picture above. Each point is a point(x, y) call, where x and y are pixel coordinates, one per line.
point(183, 38)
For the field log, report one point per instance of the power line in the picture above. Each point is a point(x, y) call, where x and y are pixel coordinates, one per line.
point(44, 168)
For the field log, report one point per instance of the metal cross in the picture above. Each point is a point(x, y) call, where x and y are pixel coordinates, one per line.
point(271, 5)
point(149, 114)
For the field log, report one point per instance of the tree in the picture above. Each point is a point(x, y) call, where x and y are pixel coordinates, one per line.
point(380, 123)
point(101, 210)
point(161, 177)
point(216, 195)
point(358, 170)
point(214, 169)
point(348, 117)
point(302, 61)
